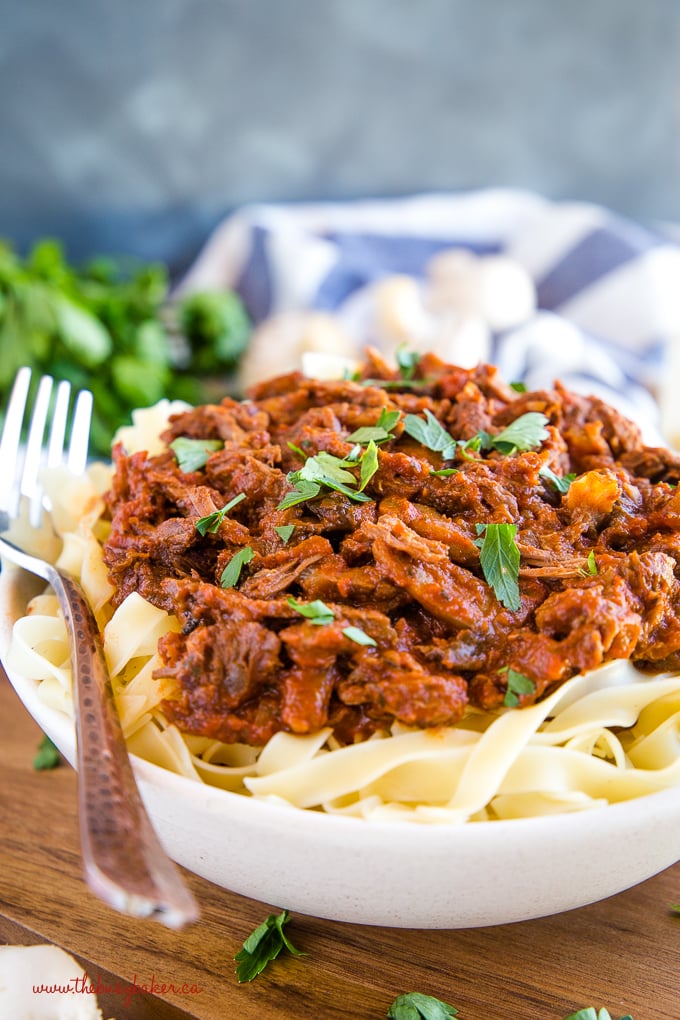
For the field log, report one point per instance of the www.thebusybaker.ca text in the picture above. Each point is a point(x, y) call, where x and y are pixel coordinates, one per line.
point(82, 985)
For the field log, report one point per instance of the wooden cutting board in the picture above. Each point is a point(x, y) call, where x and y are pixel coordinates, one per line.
point(623, 953)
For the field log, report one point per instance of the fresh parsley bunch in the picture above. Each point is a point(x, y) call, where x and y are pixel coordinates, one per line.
point(109, 327)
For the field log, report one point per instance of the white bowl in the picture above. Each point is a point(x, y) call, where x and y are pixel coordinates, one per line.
point(390, 873)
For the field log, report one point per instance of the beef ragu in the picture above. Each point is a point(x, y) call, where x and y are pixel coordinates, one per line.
point(368, 569)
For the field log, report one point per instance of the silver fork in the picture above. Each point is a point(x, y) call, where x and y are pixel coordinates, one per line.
point(123, 861)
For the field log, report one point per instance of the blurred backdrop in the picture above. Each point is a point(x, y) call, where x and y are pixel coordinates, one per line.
point(135, 127)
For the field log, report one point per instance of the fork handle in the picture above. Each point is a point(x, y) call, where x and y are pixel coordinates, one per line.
point(123, 860)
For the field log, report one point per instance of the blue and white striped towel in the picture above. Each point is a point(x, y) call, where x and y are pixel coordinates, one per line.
point(608, 290)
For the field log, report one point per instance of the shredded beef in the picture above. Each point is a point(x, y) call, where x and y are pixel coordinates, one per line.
point(414, 631)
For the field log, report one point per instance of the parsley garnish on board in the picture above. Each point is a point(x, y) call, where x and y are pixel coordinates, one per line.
point(232, 571)
point(193, 454)
point(499, 559)
point(416, 1006)
point(211, 523)
point(591, 1014)
point(517, 684)
point(262, 946)
point(47, 755)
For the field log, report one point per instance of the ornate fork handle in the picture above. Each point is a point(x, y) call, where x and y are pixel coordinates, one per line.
point(123, 860)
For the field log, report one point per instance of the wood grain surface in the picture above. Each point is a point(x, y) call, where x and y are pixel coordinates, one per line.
point(622, 953)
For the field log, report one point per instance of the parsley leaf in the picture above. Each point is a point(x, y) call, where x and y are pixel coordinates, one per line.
point(301, 492)
point(518, 387)
point(284, 531)
point(675, 907)
point(518, 684)
point(561, 484)
point(359, 636)
point(193, 454)
point(592, 563)
point(431, 434)
point(378, 433)
point(262, 946)
point(369, 464)
point(407, 361)
point(232, 571)
point(415, 1005)
point(317, 612)
point(323, 469)
point(499, 559)
point(47, 756)
point(297, 449)
point(524, 433)
point(212, 522)
point(444, 472)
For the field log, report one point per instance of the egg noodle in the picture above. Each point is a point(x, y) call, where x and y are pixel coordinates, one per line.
point(605, 736)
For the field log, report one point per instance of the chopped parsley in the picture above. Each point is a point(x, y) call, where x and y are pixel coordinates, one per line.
point(524, 433)
point(193, 454)
point(561, 484)
point(499, 559)
point(47, 755)
point(262, 946)
point(430, 433)
point(359, 636)
point(592, 564)
point(415, 1005)
point(284, 531)
point(369, 465)
point(444, 472)
point(518, 387)
point(407, 362)
point(316, 612)
point(378, 433)
point(517, 684)
point(232, 571)
point(301, 492)
point(211, 523)
point(323, 470)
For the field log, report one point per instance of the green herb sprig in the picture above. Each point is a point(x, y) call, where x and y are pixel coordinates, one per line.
point(319, 613)
point(431, 434)
point(284, 531)
point(193, 454)
point(47, 756)
point(323, 470)
point(110, 326)
point(262, 946)
point(524, 433)
point(561, 484)
point(381, 432)
point(499, 558)
point(416, 1006)
point(517, 684)
point(232, 571)
point(211, 523)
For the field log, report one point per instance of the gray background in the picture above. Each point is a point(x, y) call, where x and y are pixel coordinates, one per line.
point(133, 127)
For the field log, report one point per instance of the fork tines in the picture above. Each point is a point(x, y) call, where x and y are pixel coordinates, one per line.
point(20, 464)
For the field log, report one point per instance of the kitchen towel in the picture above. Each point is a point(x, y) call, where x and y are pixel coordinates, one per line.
point(607, 289)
